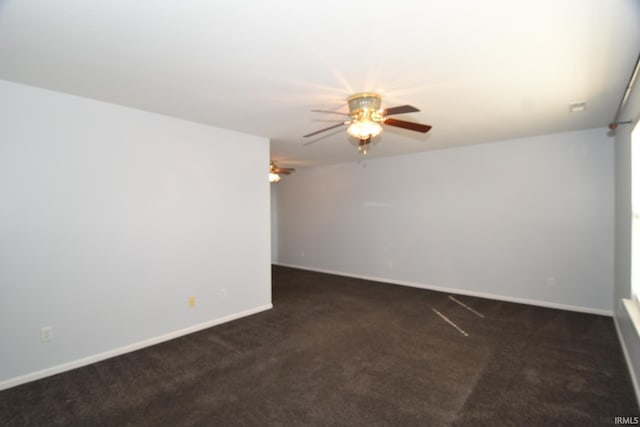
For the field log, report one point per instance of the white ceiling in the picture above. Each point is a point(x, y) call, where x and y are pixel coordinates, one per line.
point(479, 71)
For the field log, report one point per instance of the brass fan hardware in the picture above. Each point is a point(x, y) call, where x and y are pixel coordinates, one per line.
point(367, 119)
point(275, 172)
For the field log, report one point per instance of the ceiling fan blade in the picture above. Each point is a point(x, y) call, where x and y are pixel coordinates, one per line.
point(408, 125)
point(323, 130)
point(400, 110)
point(285, 171)
point(330, 112)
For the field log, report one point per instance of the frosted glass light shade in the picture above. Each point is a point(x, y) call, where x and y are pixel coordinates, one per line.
point(364, 129)
point(274, 177)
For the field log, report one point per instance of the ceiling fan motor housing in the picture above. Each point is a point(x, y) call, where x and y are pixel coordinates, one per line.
point(364, 101)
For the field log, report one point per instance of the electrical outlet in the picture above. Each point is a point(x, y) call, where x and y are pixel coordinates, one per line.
point(223, 293)
point(192, 301)
point(551, 281)
point(46, 334)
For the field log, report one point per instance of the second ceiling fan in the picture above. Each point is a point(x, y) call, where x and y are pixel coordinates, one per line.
point(367, 118)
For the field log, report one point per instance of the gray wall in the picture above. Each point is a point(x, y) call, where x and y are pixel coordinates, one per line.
point(526, 220)
point(111, 218)
point(274, 222)
point(628, 335)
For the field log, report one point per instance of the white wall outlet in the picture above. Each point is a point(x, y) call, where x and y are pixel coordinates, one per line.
point(46, 334)
point(551, 281)
point(223, 293)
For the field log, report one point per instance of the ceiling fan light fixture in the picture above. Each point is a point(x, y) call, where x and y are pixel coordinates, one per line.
point(274, 177)
point(365, 129)
point(275, 172)
point(366, 115)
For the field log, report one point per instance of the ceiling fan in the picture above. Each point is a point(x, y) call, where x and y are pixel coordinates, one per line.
point(367, 118)
point(275, 172)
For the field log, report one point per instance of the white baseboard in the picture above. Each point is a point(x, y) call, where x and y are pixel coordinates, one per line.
point(627, 358)
point(459, 291)
point(12, 382)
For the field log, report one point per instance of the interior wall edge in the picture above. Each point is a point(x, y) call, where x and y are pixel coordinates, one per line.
point(85, 361)
point(627, 358)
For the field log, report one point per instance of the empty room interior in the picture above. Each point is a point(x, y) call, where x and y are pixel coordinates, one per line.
point(319, 213)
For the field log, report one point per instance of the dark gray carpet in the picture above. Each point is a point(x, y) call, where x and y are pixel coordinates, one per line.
point(341, 351)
